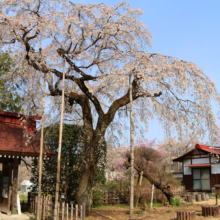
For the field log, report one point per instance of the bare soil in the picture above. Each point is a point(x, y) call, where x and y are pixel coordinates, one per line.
point(156, 213)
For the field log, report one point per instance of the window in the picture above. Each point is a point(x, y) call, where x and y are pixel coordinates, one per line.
point(201, 179)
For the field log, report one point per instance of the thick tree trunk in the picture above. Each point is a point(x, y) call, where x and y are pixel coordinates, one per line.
point(85, 189)
point(87, 176)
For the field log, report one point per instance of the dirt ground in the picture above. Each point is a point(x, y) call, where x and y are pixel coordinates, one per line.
point(156, 213)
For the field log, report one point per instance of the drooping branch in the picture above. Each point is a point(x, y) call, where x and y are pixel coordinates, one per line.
point(158, 184)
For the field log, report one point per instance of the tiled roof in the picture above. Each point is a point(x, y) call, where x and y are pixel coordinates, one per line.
point(203, 148)
point(12, 136)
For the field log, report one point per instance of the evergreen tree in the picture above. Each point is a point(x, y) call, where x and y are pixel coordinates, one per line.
point(72, 156)
point(9, 97)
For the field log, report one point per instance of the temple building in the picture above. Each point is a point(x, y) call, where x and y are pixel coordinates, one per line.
point(201, 168)
point(18, 138)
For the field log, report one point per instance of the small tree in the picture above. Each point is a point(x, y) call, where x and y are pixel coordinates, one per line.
point(151, 162)
point(72, 155)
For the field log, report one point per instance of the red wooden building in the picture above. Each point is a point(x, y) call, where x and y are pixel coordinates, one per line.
point(201, 168)
point(18, 138)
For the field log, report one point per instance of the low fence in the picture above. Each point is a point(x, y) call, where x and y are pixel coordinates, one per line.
point(65, 210)
point(112, 197)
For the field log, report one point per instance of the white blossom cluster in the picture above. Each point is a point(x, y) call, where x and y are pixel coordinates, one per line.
point(102, 45)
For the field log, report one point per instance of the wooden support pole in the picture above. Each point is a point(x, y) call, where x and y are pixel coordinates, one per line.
point(76, 207)
point(14, 187)
point(63, 210)
point(139, 187)
point(40, 161)
point(152, 196)
point(59, 147)
point(131, 148)
point(67, 206)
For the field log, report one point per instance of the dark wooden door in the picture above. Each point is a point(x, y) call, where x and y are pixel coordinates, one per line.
point(6, 188)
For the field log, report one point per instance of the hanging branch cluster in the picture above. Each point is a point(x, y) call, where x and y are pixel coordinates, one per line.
point(102, 45)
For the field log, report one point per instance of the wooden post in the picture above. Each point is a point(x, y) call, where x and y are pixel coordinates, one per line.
point(186, 215)
point(189, 198)
point(198, 198)
point(152, 196)
point(67, 211)
point(50, 205)
point(76, 207)
point(138, 188)
point(83, 211)
point(131, 148)
point(210, 211)
point(60, 145)
point(40, 161)
point(71, 215)
point(63, 210)
point(44, 207)
point(14, 187)
point(80, 212)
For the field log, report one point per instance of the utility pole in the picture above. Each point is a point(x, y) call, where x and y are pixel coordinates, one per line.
point(56, 217)
point(131, 148)
point(41, 152)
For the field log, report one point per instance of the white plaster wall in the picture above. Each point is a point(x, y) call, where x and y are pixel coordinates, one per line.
point(200, 161)
point(215, 168)
point(187, 170)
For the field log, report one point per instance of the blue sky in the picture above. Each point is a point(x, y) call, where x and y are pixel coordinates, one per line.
point(188, 30)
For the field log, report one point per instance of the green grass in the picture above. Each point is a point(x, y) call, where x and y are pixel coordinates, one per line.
point(176, 201)
point(138, 212)
point(168, 211)
point(213, 195)
point(22, 196)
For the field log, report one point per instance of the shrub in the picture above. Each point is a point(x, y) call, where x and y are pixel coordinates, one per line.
point(176, 201)
point(98, 197)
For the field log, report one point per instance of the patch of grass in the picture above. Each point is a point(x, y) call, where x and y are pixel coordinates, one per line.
point(176, 201)
point(213, 195)
point(168, 211)
point(138, 212)
point(23, 196)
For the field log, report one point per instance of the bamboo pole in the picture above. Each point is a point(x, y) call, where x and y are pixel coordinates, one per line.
point(59, 147)
point(131, 148)
point(152, 196)
point(41, 151)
